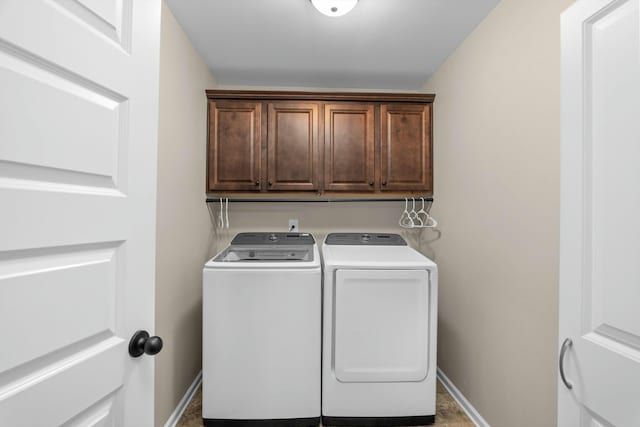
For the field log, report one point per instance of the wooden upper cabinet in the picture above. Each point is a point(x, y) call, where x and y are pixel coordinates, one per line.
point(234, 146)
point(292, 148)
point(321, 143)
point(349, 147)
point(405, 148)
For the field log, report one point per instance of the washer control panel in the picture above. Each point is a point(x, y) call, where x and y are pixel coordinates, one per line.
point(272, 238)
point(269, 247)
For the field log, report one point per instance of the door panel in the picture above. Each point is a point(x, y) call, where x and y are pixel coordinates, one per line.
point(235, 135)
point(27, 298)
point(613, 174)
point(78, 132)
point(293, 147)
point(599, 232)
point(49, 139)
point(381, 320)
point(109, 17)
point(405, 147)
point(97, 415)
point(349, 147)
point(53, 395)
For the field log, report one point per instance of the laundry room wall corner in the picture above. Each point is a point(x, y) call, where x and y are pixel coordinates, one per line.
point(184, 229)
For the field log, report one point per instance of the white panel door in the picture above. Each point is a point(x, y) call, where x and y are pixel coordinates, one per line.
point(600, 230)
point(78, 137)
point(381, 325)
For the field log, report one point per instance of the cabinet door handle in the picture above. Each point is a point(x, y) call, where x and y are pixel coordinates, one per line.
point(370, 182)
point(384, 182)
point(257, 183)
point(270, 182)
point(565, 345)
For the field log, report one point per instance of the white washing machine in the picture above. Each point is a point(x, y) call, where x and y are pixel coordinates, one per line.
point(262, 299)
point(379, 332)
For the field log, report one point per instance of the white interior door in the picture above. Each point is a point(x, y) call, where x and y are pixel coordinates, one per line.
point(600, 226)
point(78, 133)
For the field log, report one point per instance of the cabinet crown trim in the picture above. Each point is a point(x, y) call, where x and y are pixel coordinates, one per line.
point(320, 96)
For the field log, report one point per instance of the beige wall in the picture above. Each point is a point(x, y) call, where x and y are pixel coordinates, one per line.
point(318, 218)
point(183, 226)
point(497, 134)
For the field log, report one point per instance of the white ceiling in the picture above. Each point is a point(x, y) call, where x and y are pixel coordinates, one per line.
point(380, 44)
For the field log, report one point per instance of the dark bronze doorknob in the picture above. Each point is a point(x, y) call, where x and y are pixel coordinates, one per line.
point(141, 343)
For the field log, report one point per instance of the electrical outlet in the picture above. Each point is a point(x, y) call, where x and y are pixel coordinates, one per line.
point(293, 225)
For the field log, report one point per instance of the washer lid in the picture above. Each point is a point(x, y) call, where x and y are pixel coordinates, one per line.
point(272, 238)
point(269, 253)
point(365, 239)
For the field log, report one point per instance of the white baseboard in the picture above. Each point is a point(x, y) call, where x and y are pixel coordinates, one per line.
point(466, 406)
point(184, 402)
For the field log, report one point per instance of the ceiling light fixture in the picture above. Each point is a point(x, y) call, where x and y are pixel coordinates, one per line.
point(334, 8)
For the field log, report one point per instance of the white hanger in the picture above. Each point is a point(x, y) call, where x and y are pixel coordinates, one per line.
point(414, 215)
point(226, 211)
point(423, 214)
point(220, 218)
point(419, 219)
point(405, 219)
point(430, 222)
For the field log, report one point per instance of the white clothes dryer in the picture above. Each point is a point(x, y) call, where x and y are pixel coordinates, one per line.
point(379, 332)
point(261, 356)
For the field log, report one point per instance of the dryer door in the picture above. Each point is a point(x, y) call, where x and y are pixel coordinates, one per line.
point(381, 325)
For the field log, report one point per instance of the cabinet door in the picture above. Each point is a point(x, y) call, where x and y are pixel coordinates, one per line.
point(292, 153)
point(406, 153)
point(234, 145)
point(349, 147)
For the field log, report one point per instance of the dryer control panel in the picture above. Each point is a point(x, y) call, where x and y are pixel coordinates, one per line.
point(365, 239)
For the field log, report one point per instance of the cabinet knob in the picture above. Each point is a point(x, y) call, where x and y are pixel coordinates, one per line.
point(370, 182)
point(270, 182)
point(384, 182)
point(257, 183)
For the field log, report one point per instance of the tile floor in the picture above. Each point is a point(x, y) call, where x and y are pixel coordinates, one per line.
point(448, 413)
